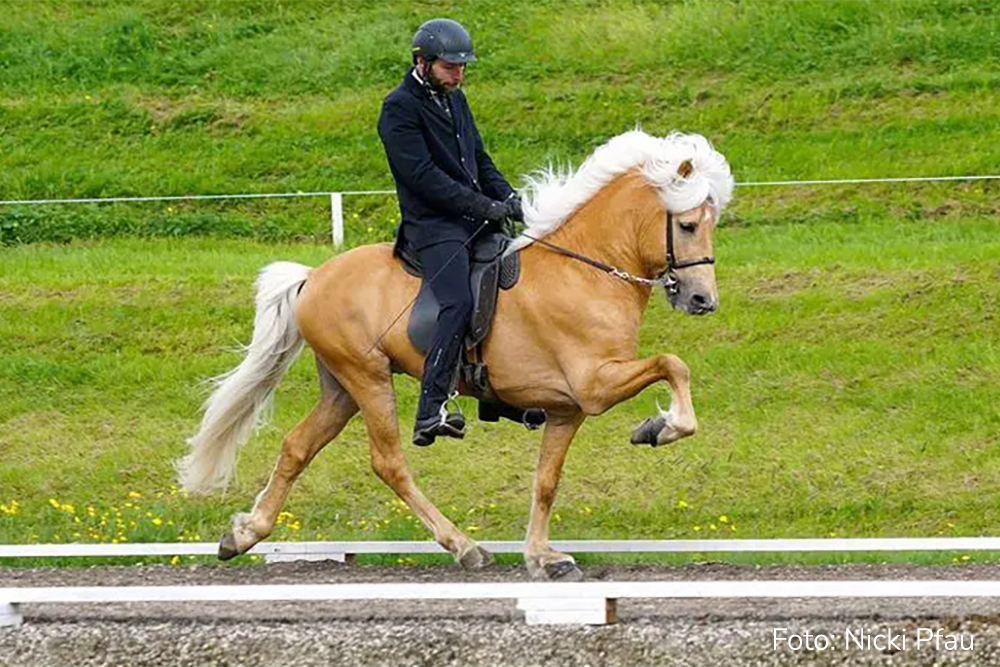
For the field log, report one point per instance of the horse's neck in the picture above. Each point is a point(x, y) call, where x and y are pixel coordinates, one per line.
point(622, 226)
point(617, 227)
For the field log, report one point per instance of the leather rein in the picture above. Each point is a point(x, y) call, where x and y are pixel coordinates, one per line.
point(667, 279)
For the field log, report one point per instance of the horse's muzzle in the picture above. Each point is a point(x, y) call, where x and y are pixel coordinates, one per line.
point(701, 304)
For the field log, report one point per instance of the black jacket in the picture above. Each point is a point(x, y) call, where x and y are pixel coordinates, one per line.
point(444, 177)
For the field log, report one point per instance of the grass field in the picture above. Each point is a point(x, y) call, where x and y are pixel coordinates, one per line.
point(848, 386)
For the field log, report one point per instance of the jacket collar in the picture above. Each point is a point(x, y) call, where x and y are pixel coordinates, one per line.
point(415, 87)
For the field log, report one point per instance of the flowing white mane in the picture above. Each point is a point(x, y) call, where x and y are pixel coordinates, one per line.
point(551, 196)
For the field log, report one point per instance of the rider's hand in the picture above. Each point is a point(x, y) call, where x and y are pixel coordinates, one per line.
point(512, 208)
point(495, 215)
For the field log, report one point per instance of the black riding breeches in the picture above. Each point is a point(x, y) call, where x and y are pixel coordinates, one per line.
point(447, 264)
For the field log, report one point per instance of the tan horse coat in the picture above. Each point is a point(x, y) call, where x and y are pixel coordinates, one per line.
point(564, 339)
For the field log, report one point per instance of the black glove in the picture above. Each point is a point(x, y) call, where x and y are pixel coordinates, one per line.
point(495, 215)
point(512, 208)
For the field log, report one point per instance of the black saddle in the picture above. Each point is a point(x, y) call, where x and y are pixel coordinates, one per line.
point(491, 272)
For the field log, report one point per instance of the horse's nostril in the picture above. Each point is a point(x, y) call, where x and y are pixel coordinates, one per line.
point(701, 303)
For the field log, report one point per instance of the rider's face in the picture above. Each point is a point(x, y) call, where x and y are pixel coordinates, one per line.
point(444, 76)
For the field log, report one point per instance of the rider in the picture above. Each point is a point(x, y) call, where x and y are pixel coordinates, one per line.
point(450, 193)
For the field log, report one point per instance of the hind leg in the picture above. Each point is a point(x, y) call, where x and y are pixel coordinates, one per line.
point(324, 423)
point(375, 395)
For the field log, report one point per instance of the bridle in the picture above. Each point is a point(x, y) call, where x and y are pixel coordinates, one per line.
point(666, 279)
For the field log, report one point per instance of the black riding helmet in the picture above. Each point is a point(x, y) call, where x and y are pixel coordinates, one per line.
point(444, 39)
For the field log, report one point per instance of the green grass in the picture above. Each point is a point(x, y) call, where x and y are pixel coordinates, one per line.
point(105, 99)
point(847, 387)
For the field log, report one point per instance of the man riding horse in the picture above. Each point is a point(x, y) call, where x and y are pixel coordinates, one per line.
point(450, 196)
point(639, 215)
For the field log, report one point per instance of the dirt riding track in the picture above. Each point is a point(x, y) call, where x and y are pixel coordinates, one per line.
point(661, 632)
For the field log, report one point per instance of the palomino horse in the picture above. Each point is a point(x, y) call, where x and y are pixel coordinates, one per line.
point(564, 338)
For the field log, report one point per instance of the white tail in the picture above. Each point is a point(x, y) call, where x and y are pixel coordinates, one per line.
point(238, 406)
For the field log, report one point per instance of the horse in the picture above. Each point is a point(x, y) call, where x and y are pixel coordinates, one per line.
point(639, 213)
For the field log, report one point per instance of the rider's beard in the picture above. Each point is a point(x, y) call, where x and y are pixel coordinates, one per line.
point(435, 83)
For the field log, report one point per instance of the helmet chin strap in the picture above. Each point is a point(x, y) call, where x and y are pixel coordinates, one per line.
point(427, 75)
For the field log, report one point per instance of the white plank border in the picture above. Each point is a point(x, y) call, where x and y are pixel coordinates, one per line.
point(736, 589)
point(578, 546)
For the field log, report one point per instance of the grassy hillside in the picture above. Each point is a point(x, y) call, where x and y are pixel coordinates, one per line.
point(111, 99)
point(848, 386)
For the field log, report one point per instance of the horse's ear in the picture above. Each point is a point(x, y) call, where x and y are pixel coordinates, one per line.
point(685, 169)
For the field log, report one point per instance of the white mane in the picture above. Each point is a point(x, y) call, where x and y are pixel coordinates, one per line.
point(551, 196)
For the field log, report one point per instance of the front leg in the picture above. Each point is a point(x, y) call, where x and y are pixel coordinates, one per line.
point(542, 561)
point(614, 382)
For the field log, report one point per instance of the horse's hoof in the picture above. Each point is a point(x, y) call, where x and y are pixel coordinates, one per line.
point(563, 570)
point(646, 433)
point(227, 547)
point(475, 558)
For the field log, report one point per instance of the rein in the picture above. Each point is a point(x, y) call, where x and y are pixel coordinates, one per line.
point(667, 279)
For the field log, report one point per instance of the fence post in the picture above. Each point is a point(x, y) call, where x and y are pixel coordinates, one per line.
point(337, 218)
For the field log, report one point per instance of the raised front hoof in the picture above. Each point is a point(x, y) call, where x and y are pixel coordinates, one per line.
point(227, 547)
point(648, 430)
point(475, 558)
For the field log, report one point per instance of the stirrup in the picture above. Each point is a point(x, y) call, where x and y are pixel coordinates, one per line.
point(446, 413)
point(452, 420)
point(446, 424)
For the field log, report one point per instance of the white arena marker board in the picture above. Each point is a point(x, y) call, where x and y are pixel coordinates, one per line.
point(337, 550)
point(543, 603)
point(10, 615)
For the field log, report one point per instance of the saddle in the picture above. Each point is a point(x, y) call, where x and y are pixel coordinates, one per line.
point(491, 272)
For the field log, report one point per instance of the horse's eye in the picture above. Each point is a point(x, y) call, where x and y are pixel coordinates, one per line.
point(689, 227)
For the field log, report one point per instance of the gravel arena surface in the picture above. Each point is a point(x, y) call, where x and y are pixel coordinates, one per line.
point(487, 632)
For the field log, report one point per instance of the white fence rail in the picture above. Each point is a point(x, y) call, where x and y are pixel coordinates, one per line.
point(337, 198)
point(275, 551)
point(593, 603)
point(548, 603)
